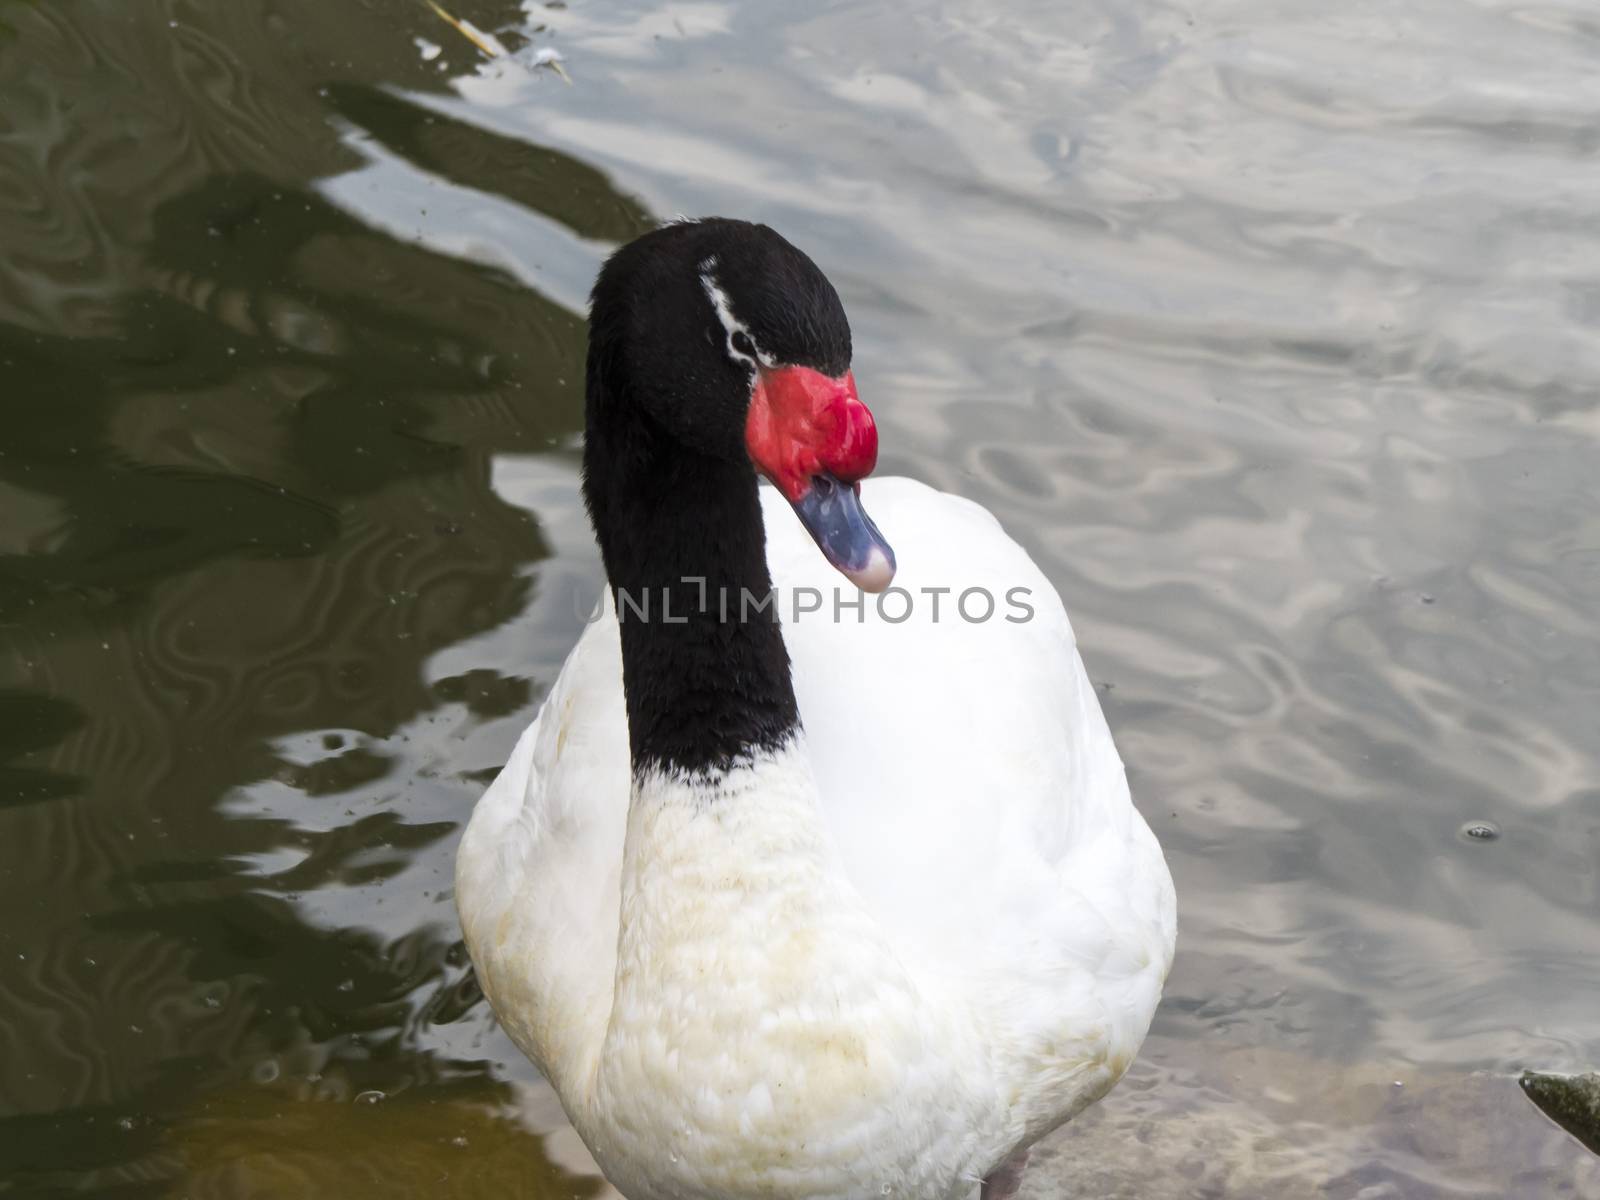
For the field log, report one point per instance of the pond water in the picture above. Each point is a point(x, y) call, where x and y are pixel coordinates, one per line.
point(1269, 328)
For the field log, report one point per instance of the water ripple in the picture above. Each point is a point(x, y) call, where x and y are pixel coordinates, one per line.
point(1267, 330)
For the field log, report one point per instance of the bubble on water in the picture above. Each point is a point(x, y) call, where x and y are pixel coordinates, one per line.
point(1480, 831)
point(370, 1096)
point(265, 1071)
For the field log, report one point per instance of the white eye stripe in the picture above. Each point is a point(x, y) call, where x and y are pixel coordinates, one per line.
point(731, 325)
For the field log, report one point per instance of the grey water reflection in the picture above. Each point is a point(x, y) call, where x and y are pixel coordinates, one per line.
point(1268, 329)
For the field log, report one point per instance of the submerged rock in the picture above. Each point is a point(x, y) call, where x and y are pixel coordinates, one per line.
point(1277, 1123)
point(1571, 1101)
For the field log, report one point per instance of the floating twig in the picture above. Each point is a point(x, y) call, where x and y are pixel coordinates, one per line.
point(486, 42)
point(490, 45)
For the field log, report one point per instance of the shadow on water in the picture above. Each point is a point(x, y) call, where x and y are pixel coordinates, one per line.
point(264, 506)
point(244, 514)
point(29, 726)
point(538, 178)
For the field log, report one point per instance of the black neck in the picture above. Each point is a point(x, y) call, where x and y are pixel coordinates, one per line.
point(704, 668)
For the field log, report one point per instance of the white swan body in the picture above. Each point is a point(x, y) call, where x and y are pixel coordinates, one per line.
point(922, 934)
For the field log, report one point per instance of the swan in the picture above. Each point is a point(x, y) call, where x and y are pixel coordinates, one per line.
point(798, 887)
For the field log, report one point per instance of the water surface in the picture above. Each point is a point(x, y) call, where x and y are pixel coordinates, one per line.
point(1269, 329)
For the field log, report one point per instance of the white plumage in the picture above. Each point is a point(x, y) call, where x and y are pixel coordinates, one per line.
point(926, 932)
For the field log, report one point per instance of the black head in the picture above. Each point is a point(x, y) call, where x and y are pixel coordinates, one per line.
point(718, 339)
point(681, 319)
point(716, 351)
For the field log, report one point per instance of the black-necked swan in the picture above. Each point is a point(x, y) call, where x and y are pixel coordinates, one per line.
point(792, 890)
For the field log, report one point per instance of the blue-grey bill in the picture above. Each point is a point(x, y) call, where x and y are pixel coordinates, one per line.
point(832, 513)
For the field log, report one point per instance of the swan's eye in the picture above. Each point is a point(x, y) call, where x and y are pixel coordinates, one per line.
point(742, 344)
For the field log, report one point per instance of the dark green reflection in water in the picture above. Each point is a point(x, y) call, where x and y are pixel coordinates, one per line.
point(247, 495)
point(30, 725)
point(544, 180)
